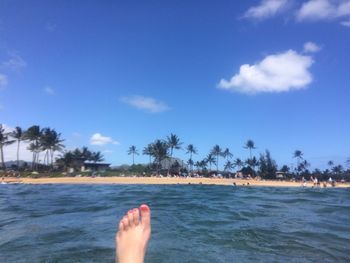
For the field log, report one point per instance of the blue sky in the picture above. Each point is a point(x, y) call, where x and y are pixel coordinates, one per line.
point(109, 74)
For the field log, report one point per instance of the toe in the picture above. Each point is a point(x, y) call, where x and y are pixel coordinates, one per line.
point(125, 222)
point(121, 226)
point(131, 218)
point(145, 215)
point(136, 215)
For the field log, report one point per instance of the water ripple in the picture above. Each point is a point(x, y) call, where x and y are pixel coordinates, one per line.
point(191, 223)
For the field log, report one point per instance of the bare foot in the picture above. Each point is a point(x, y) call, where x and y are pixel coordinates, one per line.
point(133, 235)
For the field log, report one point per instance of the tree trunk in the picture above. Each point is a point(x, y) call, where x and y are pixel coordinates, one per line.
point(191, 166)
point(45, 157)
point(18, 143)
point(217, 164)
point(2, 158)
point(52, 154)
point(33, 161)
point(171, 157)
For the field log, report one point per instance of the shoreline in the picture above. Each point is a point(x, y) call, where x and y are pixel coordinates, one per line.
point(160, 181)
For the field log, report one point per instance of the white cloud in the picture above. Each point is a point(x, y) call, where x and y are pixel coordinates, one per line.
point(314, 10)
point(99, 139)
point(15, 62)
point(146, 103)
point(3, 81)
point(49, 90)
point(310, 47)
point(275, 73)
point(267, 8)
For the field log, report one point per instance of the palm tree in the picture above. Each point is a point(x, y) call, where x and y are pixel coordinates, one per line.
point(148, 151)
point(160, 151)
point(173, 143)
point(66, 159)
point(197, 164)
point(132, 150)
point(252, 163)
point(18, 135)
point(238, 163)
point(330, 164)
point(97, 157)
point(85, 154)
point(337, 169)
point(33, 134)
point(55, 144)
point(250, 145)
point(227, 154)
point(190, 163)
point(304, 165)
point(228, 166)
point(348, 162)
point(203, 164)
point(191, 150)
point(216, 151)
point(4, 141)
point(210, 159)
point(51, 142)
point(299, 156)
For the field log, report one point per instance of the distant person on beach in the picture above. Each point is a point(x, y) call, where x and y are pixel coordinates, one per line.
point(303, 181)
point(133, 235)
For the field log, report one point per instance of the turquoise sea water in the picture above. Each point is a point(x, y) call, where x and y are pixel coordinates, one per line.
point(190, 223)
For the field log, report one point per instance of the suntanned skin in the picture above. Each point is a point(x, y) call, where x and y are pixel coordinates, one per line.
point(133, 235)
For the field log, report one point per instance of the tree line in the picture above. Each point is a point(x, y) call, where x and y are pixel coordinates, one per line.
point(41, 140)
point(45, 141)
point(264, 165)
point(48, 141)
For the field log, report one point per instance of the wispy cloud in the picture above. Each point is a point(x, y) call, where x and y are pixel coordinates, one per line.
point(146, 103)
point(280, 72)
point(310, 10)
point(3, 81)
point(315, 10)
point(266, 9)
point(311, 47)
point(15, 62)
point(99, 139)
point(49, 91)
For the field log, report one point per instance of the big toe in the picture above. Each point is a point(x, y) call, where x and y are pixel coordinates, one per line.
point(145, 215)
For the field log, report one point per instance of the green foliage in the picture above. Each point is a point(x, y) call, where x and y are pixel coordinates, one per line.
point(267, 166)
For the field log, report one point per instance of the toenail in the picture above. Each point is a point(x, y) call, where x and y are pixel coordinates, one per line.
point(144, 208)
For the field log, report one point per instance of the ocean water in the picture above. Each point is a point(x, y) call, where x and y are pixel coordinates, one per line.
point(190, 223)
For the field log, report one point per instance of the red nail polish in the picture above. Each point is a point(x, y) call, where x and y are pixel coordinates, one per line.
point(144, 208)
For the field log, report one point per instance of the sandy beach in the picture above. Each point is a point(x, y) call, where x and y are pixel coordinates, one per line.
point(156, 180)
